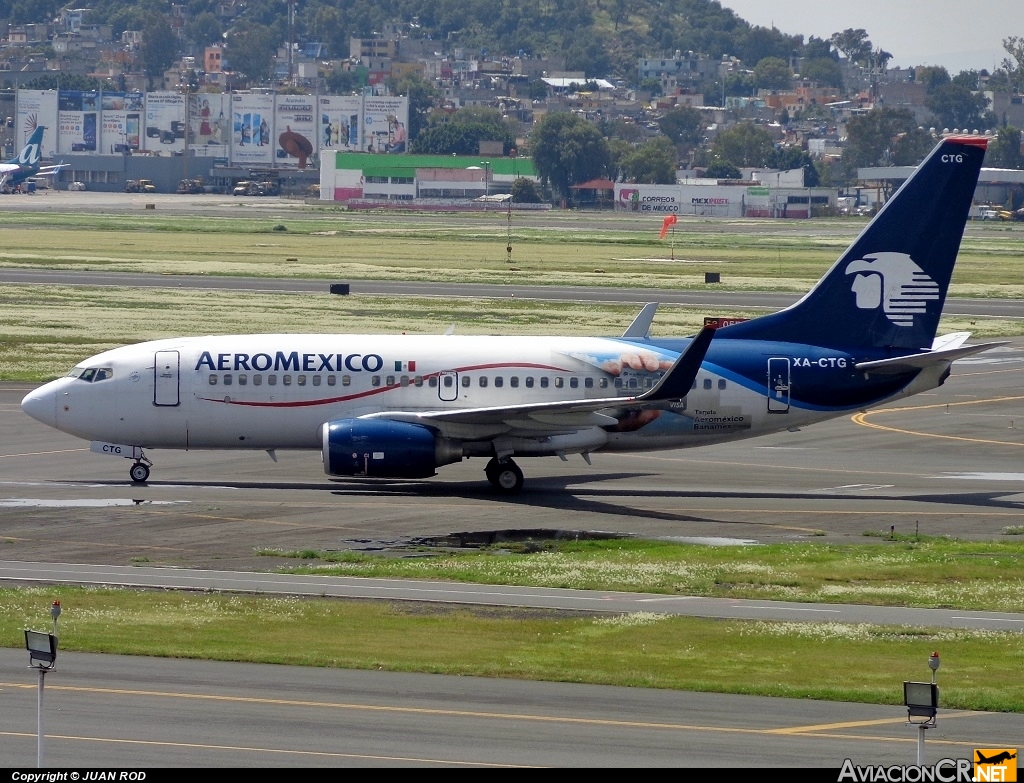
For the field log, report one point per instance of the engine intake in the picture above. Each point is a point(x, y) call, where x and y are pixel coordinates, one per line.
point(387, 449)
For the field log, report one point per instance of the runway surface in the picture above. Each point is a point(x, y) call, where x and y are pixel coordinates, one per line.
point(106, 711)
point(721, 300)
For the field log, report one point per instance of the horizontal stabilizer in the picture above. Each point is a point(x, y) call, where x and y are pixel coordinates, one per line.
point(918, 361)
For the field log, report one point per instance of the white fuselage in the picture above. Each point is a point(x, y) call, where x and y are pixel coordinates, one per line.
point(276, 392)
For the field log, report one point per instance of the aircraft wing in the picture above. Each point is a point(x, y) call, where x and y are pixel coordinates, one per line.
point(547, 418)
point(918, 361)
point(7, 168)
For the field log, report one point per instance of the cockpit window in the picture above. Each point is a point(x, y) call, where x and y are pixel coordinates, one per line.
point(92, 374)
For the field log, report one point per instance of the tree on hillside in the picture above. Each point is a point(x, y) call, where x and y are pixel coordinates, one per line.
point(744, 144)
point(251, 48)
point(772, 73)
point(684, 127)
point(885, 137)
point(159, 46)
point(957, 107)
point(1004, 151)
point(854, 43)
point(823, 70)
point(651, 163)
point(567, 150)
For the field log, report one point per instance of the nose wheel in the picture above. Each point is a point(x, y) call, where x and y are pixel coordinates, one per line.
point(504, 475)
point(139, 471)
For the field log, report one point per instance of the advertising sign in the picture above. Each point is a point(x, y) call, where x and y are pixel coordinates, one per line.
point(252, 117)
point(294, 123)
point(78, 121)
point(37, 107)
point(209, 134)
point(120, 122)
point(385, 124)
point(340, 118)
point(164, 126)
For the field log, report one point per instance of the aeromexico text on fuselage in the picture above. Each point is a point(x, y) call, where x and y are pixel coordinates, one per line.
point(293, 361)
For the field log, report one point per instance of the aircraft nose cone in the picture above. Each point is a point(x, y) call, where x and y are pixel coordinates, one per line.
point(41, 405)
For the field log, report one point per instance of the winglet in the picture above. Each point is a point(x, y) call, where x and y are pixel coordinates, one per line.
point(640, 329)
point(676, 383)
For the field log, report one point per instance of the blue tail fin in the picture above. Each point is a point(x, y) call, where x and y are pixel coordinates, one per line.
point(32, 152)
point(888, 288)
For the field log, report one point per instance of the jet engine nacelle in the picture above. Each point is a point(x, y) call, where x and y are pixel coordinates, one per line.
point(388, 449)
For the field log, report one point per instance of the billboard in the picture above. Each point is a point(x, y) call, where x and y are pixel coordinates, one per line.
point(37, 107)
point(78, 121)
point(385, 124)
point(295, 130)
point(164, 126)
point(121, 120)
point(209, 131)
point(340, 118)
point(251, 133)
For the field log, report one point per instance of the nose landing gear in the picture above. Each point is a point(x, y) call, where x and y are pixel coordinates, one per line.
point(504, 475)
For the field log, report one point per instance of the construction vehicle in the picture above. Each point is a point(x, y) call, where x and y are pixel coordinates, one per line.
point(139, 186)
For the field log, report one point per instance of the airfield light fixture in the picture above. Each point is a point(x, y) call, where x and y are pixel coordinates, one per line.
point(922, 702)
point(42, 656)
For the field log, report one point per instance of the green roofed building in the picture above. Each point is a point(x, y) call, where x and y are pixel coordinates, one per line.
point(365, 180)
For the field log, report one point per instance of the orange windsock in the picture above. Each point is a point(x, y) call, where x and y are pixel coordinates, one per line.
point(669, 221)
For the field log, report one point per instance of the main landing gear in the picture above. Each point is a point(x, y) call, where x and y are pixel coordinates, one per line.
point(504, 475)
point(139, 472)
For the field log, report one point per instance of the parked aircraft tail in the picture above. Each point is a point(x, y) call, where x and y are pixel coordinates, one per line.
point(887, 290)
point(31, 153)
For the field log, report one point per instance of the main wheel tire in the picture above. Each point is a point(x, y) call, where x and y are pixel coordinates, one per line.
point(139, 473)
point(508, 478)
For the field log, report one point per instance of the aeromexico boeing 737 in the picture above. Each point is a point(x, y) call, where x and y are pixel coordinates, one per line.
point(402, 406)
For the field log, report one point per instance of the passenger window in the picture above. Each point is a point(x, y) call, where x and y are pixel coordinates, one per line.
point(433, 382)
point(213, 380)
point(243, 379)
point(227, 379)
point(286, 380)
point(632, 383)
point(707, 383)
point(466, 381)
point(375, 380)
point(721, 383)
point(390, 381)
point(588, 383)
point(483, 381)
point(529, 382)
point(618, 383)
point(257, 380)
point(574, 383)
point(448, 381)
point(317, 380)
point(301, 380)
point(346, 380)
point(559, 382)
point(498, 381)
point(404, 380)
point(271, 380)
point(417, 381)
point(514, 381)
point(544, 382)
point(332, 380)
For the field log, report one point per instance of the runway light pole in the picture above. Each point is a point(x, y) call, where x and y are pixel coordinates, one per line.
point(42, 656)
